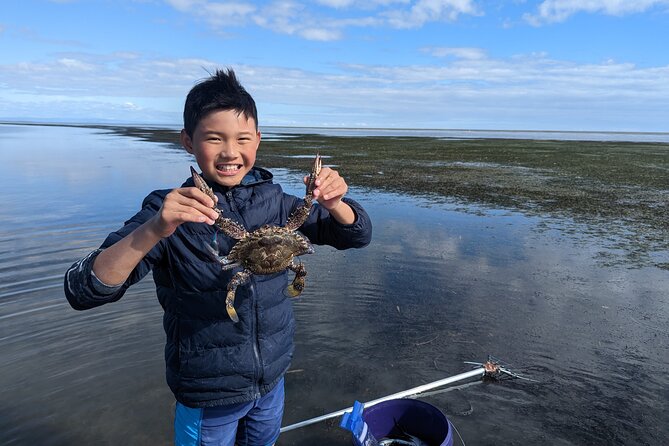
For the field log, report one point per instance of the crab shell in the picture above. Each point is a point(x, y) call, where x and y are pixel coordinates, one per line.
point(269, 249)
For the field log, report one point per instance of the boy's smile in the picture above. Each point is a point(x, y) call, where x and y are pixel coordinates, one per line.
point(224, 143)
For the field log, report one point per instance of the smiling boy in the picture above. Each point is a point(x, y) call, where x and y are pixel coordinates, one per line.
point(227, 377)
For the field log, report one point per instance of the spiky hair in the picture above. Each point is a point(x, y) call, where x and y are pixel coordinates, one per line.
point(220, 91)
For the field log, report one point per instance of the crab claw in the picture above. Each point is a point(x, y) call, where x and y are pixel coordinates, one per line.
point(297, 286)
point(201, 184)
point(315, 171)
point(238, 279)
point(230, 308)
point(295, 289)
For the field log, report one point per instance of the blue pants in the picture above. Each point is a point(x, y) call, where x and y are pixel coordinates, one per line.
point(256, 423)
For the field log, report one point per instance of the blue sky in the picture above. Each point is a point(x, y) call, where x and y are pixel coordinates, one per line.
point(448, 64)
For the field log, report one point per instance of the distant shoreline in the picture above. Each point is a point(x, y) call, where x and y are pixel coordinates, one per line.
point(566, 135)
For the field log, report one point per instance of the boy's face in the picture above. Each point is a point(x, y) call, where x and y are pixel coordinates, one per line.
point(224, 144)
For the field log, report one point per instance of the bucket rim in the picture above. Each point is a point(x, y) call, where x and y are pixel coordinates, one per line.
point(380, 426)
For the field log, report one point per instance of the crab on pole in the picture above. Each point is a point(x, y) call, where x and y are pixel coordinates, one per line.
point(489, 368)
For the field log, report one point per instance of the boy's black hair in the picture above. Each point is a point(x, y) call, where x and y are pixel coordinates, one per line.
point(220, 91)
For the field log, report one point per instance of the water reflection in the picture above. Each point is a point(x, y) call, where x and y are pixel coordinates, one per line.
point(454, 287)
point(437, 286)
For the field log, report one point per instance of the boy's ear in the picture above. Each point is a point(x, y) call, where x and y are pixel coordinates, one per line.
point(186, 141)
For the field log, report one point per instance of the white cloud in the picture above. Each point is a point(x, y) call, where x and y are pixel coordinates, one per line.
point(216, 13)
point(75, 65)
point(300, 18)
point(424, 11)
point(114, 75)
point(285, 17)
point(523, 92)
point(459, 53)
point(551, 11)
point(320, 34)
point(365, 5)
point(336, 3)
point(131, 106)
point(293, 18)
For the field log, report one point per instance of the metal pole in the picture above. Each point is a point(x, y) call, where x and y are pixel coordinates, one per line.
point(409, 392)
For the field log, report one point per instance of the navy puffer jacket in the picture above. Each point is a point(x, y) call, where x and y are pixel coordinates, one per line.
point(211, 360)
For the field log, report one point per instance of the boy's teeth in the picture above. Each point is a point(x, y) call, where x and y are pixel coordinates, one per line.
point(228, 167)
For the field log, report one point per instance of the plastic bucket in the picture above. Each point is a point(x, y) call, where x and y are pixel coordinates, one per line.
point(416, 418)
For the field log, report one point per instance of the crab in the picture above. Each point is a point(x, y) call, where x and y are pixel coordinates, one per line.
point(268, 249)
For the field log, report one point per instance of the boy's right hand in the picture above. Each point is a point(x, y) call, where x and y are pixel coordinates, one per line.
point(186, 204)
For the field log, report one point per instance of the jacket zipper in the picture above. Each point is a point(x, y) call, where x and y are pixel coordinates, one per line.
point(231, 201)
point(256, 341)
point(258, 372)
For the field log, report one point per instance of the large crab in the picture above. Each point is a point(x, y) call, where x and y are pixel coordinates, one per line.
point(268, 249)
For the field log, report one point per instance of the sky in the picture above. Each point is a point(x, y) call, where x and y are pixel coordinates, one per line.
point(569, 65)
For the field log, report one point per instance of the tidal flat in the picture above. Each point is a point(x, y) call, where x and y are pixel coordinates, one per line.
point(615, 190)
point(550, 255)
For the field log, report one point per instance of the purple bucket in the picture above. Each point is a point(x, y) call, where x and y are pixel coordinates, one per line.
point(416, 417)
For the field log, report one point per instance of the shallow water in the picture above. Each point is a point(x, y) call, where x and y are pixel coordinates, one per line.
point(439, 285)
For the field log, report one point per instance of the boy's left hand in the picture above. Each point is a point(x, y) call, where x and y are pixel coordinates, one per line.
point(330, 188)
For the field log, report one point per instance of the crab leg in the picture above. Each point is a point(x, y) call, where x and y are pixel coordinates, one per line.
point(300, 214)
point(238, 279)
point(295, 288)
point(229, 227)
point(214, 252)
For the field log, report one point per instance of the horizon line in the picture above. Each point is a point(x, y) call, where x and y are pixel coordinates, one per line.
point(148, 125)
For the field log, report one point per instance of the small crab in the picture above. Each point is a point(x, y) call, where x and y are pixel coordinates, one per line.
point(268, 249)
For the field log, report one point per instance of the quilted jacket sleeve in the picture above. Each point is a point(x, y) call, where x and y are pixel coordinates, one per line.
point(323, 229)
point(84, 290)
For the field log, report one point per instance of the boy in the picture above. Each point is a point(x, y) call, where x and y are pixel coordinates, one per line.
point(227, 377)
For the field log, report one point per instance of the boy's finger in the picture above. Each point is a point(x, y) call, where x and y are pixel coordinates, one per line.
point(208, 212)
point(194, 192)
point(333, 187)
point(196, 206)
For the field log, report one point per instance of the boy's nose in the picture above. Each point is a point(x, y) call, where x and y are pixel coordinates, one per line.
point(228, 150)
